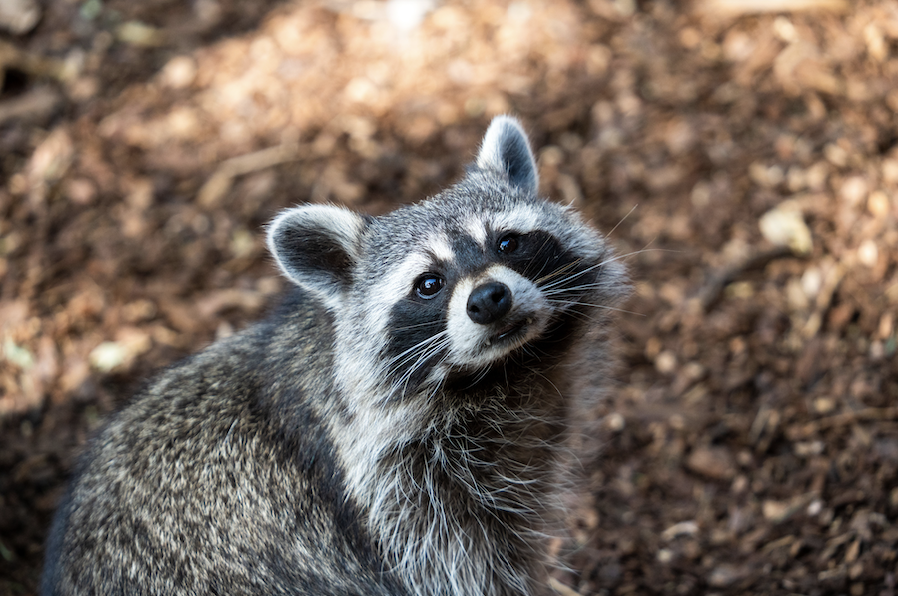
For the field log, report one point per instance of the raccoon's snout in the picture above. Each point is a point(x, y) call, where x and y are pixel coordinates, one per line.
point(489, 302)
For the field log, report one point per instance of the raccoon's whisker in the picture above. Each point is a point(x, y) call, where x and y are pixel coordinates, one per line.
point(547, 380)
point(603, 306)
point(558, 283)
point(440, 342)
point(557, 272)
point(528, 269)
point(586, 317)
point(594, 267)
point(401, 385)
point(440, 347)
point(438, 386)
point(633, 254)
point(418, 345)
point(430, 351)
point(527, 349)
point(580, 291)
point(419, 325)
point(482, 374)
point(566, 278)
point(557, 286)
point(575, 289)
point(608, 235)
point(536, 352)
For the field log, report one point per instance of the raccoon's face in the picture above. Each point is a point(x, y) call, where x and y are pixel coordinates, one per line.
point(483, 273)
point(483, 285)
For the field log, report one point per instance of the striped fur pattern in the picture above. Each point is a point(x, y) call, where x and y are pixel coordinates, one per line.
point(394, 429)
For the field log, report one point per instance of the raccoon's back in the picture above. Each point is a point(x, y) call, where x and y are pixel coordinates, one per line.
point(219, 478)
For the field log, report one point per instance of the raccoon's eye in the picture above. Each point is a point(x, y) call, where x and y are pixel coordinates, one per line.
point(508, 243)
point(429, 285)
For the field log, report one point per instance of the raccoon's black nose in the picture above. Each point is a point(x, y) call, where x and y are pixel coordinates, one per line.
point(489, 303)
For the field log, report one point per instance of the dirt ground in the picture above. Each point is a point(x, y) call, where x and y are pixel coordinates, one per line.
point(747, 163)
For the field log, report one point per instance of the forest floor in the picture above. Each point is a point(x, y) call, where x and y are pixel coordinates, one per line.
point(747, 163)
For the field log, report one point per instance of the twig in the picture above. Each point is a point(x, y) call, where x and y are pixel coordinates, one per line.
point(220, 182)
point(36, 104)
point(710, 293)
point(845, 418)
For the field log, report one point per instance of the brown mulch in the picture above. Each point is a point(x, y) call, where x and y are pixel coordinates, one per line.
point(751, 443)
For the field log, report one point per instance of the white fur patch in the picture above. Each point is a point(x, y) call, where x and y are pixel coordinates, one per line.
point(522, 219)
point(441, 247)
point(470, 342)
point(476, 228)
point(392, 288)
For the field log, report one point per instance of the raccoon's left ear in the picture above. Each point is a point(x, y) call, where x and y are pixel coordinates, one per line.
point(316, 247)
point(505, 148)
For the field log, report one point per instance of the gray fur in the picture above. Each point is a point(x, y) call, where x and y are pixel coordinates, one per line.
point(367, 438)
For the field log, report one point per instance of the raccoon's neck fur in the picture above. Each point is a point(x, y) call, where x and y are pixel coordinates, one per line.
point(458, 484)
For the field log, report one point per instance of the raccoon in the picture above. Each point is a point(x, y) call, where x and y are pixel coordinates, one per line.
point(393, 428)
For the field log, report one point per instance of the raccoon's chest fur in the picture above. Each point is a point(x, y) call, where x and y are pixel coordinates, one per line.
point(394, 430)
point(464, 508)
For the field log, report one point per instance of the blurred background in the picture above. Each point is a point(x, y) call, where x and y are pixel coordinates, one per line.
point(744, 153)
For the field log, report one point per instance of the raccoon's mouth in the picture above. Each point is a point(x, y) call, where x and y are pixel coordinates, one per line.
point(511, 331)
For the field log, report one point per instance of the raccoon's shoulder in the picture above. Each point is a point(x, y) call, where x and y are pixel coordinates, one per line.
point(252, 375)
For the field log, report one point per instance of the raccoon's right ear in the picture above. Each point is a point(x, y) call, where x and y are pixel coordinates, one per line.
point(316, 247)
point(505, 149)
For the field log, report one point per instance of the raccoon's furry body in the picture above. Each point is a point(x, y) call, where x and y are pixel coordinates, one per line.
point(392, 429)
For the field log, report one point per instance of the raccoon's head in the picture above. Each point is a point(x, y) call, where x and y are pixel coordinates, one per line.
point(480, 275)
